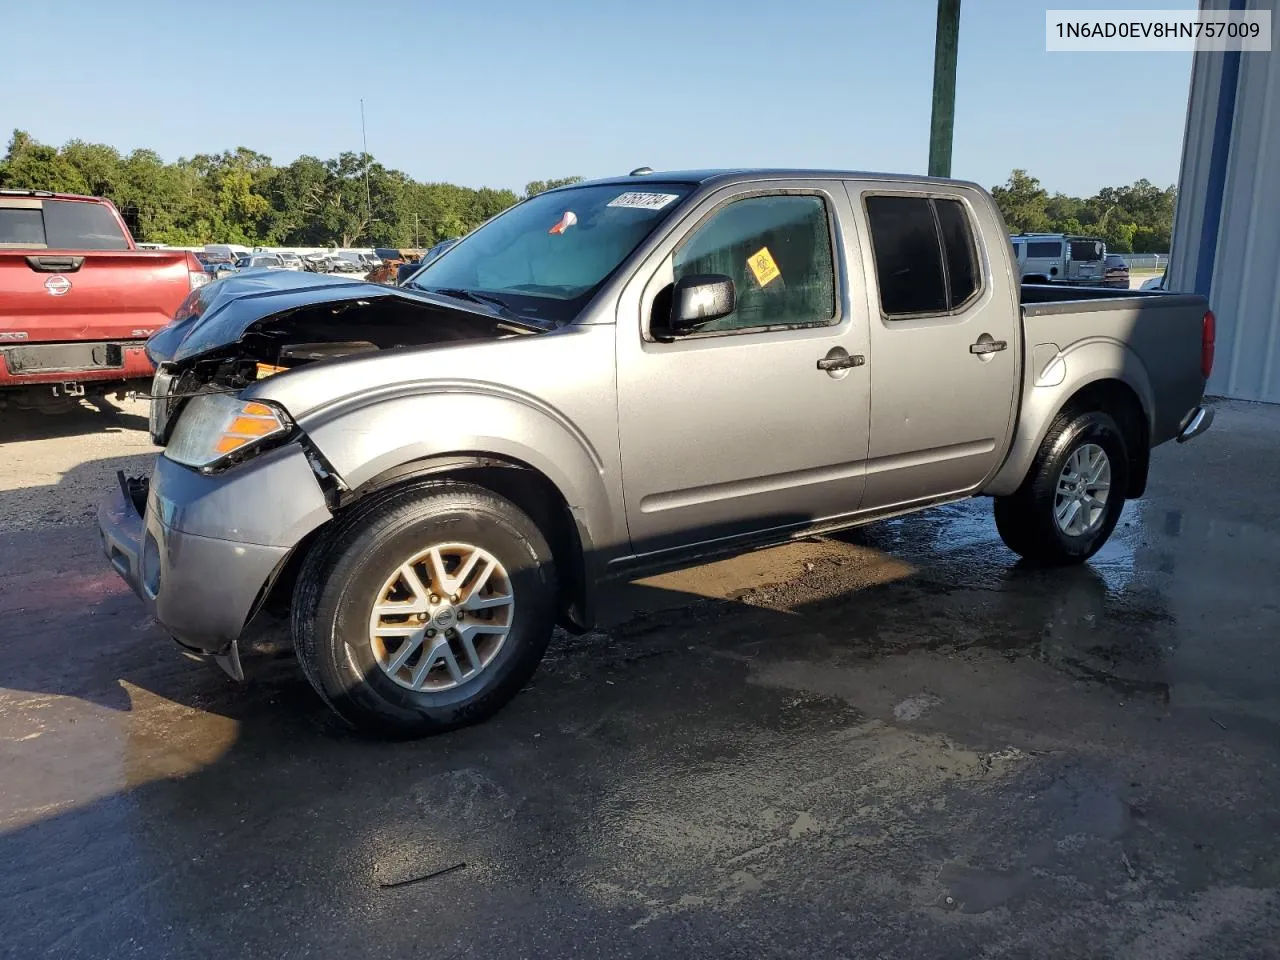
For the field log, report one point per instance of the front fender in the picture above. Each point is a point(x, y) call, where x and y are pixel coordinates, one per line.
point(1051, 381)
point(385, 431)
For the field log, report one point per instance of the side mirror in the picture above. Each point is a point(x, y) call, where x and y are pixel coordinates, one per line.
point(699, 299)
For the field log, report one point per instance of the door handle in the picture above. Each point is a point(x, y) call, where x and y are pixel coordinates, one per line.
point(45, 264)
point(987, 345)
point(844, 361)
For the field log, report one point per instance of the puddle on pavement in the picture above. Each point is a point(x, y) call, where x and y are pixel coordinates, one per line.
point(939, 582)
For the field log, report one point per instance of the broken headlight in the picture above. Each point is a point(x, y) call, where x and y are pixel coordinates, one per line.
point(217, 430)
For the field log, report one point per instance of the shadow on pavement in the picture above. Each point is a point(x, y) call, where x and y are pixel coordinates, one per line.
point(87, 417)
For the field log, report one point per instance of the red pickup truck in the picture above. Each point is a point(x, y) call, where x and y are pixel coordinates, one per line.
point(78, 299)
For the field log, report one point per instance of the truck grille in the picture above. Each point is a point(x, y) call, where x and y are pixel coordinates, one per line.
point(161, 406)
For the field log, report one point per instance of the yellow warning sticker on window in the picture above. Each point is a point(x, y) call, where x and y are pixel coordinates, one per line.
point(763, 267)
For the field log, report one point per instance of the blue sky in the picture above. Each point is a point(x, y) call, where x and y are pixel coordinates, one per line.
point(494, 92)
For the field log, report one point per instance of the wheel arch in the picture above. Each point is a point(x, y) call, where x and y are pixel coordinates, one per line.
point(531, 490)
point(1108, 376)
point(515, 444)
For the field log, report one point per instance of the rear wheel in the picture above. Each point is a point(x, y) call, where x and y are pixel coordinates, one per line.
point(1071, 499)
point(425, 611)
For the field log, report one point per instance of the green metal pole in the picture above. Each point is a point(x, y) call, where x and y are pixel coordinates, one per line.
point(942, 125)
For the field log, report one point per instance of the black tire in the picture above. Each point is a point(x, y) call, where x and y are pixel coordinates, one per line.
point(343, 573)
point(1025, 519)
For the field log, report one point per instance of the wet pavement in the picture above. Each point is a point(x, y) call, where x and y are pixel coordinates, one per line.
point(897, 743)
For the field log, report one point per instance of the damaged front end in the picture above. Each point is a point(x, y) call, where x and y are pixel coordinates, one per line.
point(233, 333)
point(240, 486)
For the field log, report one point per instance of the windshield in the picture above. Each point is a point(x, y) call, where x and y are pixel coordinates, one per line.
point(547, 256)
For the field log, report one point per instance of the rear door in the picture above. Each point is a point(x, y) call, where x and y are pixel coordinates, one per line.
point(945, 350)
point(749, 424)
point(67, 272)
point(1086, 260)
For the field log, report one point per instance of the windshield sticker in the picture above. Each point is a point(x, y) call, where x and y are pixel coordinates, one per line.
point(643, 201)
point(762, 267)
point(567, 221)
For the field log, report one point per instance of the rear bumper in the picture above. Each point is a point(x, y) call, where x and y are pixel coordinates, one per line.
point(203, 589)
point(22, 364)
point(1195, 423)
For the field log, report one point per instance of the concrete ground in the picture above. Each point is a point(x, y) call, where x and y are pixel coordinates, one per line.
point(896, 743)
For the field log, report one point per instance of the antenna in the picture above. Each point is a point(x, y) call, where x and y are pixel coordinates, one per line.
point(364, 141)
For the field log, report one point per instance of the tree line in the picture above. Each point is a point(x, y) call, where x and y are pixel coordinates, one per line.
point(1133, 219)
point(240, 196)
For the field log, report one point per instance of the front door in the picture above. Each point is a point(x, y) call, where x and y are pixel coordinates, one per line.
point(945, 354)
point(737, 428)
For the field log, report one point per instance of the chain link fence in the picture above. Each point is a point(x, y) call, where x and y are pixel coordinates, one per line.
point(1156, 262)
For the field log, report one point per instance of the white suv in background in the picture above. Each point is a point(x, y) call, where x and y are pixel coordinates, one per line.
point(1060, 258)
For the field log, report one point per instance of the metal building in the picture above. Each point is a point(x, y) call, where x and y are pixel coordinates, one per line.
point(1226, 232)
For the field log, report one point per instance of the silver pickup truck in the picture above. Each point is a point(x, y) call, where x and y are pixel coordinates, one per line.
point(617, 377)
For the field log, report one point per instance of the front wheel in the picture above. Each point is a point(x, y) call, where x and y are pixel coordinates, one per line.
point(1071, 499)
point(425, 611)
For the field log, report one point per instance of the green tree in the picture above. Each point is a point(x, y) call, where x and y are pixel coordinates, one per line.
point(535, 187)
point(240, 196)
point(1023, 202)
point(1135, 218)
point(32, 166)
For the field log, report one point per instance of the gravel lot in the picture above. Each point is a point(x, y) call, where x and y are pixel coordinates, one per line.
point(894, 743)
point(55, 468)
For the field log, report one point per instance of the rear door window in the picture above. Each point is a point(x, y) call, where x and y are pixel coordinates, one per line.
point(1086, 251)
point(925, 254)
point(908, 255)
point(961, 254)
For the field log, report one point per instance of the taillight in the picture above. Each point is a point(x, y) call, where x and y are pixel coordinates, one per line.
point(198, 278)
point(1208, 332)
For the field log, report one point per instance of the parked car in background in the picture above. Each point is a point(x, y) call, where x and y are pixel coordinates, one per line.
point(290, 261)
point(1115, 272)
point(1060, 258)
point(316, 263)
point(215, 265)
point(1159, 283)
point(363, 262)
point(227, 251)
point(260, 261)
point(390, 260)
point(685, 367)
point(78, 299)
point(345, 265)
point(407, 270)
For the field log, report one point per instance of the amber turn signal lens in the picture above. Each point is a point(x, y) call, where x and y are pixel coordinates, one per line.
point(254, 421)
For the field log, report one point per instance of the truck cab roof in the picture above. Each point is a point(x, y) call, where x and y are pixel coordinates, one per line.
point(49, 195)
point(748, 174)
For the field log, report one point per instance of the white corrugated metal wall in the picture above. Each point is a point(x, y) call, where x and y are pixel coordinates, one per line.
point(1226, 235)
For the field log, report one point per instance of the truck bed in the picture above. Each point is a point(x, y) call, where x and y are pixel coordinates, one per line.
point(1161, 335)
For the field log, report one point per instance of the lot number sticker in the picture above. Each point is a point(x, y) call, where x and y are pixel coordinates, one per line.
point(763, 267)
point(643, 201)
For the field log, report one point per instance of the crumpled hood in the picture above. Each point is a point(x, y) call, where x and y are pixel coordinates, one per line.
point(218, 314)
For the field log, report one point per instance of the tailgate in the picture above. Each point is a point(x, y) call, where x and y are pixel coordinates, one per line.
point(48, 296)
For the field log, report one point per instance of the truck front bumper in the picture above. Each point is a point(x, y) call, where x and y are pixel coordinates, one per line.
point(1195, 423)
point(203, 588)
